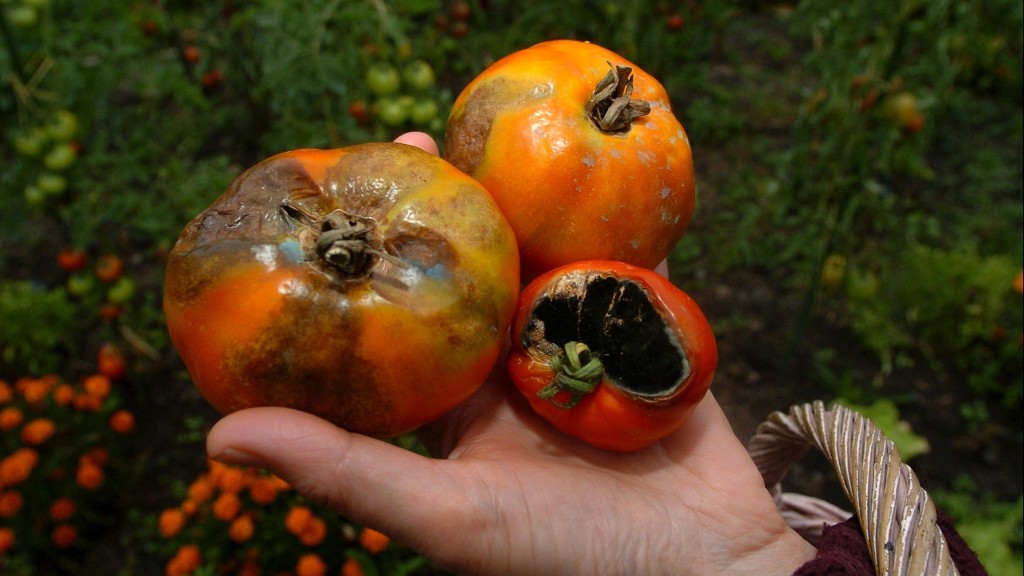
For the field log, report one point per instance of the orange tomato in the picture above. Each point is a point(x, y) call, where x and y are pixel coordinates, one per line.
point(610, 353)
point(369, 285)
point(581, 150)
point(109, 267)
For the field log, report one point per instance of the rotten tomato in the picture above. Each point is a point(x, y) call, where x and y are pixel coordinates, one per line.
point(613, 354)
point(370, 285)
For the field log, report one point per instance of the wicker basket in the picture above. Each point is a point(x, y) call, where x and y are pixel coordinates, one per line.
point(897, 515)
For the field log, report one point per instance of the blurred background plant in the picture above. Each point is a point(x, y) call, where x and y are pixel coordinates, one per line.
point(859, 234)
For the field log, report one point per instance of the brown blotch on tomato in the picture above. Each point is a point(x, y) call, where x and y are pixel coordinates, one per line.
point(369, 285)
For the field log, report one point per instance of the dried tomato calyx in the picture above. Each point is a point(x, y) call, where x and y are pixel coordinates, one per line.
point(577, 372)
point(611, 107)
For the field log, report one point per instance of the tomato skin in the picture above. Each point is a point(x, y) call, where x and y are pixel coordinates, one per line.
point(571, 191)
point(611, 417)
point(259, 321)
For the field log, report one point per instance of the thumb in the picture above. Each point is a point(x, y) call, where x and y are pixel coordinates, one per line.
point(396, 491)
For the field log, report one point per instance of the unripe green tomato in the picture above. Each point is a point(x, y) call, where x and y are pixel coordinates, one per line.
point(60, 157)
point(383, 79)
point(122, 290)
point(419, 75)
point(64, 126)
point(391, 111)
point(833, 271)
point(51, 184)
point(34, 196)
point(80, 283)
point(861, 285)
point(423, 111)
point(29, 143)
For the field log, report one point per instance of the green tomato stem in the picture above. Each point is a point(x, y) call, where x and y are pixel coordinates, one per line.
point(577, 371)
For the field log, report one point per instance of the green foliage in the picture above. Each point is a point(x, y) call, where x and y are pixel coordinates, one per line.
point(955, 306)
point(36, 328)
point(992, 528)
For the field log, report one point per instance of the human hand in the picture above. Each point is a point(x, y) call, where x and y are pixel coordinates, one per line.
point(509, 494)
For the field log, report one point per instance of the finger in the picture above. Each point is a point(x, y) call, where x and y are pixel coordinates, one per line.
point(399, 492)
point(419, 140)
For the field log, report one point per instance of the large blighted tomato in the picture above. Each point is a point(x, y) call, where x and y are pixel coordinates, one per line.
point(613, 354)
point(370, 285)
point(581, 150)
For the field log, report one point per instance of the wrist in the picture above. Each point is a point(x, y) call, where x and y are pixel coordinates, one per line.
point(783, 556)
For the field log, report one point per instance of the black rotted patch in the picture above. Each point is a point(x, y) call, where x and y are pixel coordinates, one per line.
point(616, 319)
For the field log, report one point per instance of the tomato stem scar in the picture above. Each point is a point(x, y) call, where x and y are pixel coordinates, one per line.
point(611, 107)
point(578, 372)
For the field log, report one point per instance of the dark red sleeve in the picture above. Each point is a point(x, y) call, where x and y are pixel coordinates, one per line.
point(842, 551)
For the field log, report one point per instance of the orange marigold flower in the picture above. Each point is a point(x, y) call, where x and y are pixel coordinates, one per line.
point(6, 392)
point(200, 490)
point(232, 480)
point(17, 467)
point(34, 390)
point(351, 567)
point(64, 536)
point(63, 394)
point(61, 509)
point(7, 540)
point(89, 475)
point(314, 532)
point(97, 386)
point(184, 561)
point(310, 565)
point(38, 431)
point(248, 567)
point(190, 507)
point(227, 506)
point(263, 489)
point(170, 522)
point(297, 518)
point(10, 503)
point(216, 470)
point(241, 529)
point(10, 418)
point(87, 403)
point(373, 541)
point(122, 422)
point(98, 456)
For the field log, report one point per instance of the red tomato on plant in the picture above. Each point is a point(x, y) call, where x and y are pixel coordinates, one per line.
point(613, 354)
point(72, 259)
point(110, 362)
point(370, 285)
point(582, 152)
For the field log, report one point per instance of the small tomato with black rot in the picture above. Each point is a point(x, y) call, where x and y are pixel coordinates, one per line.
point(613, 354)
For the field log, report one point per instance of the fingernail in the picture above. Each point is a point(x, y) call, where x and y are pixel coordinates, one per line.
point(238, 458)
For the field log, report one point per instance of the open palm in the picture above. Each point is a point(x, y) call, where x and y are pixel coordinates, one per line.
point(514, 496)
point(509, 494)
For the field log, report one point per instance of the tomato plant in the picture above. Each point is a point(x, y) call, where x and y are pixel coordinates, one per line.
point(371, 285)
point(581, 150)
point(610, 353)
